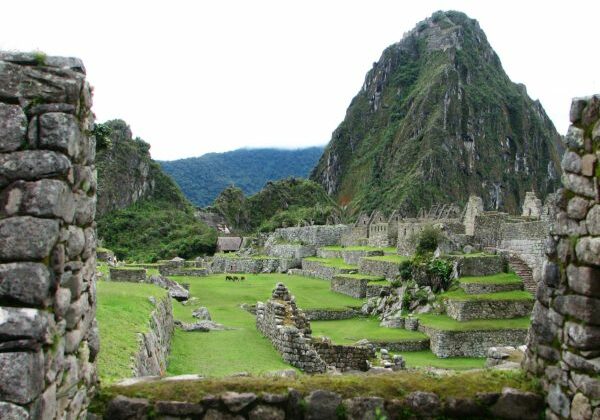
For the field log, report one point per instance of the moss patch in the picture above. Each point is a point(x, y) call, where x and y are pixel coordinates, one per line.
point(501, 278)
point(332, 262)
point(461, 295)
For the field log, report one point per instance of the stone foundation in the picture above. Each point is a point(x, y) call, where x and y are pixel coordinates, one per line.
point(471, 343)
point(466, 310)
point(344, 357)
point(154, 346)
point(284, 324)
point(48, 335)
point(133, 275)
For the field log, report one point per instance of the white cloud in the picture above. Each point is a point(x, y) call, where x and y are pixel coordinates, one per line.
point(195, 77)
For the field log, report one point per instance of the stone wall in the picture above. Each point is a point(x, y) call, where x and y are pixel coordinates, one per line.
point(484, 265)
point(322, 271)
point(350, 286)
point(329, 253)
point(357, 236)
point(154, 346)
point(134, 275)
point(171, 270)
point(330, 314)
point(285, 325)
point(527, 240)
point(466, 310)
point(564, 340)
point(471, 343)
point(48, 335)
point(325, 404)
point(353, 257)
point(344, 357)
point(296, 252)
point(375, 289)
point(379, 235)
point(474, 208)
point(486, 232)
point(389, 270)
point(310, 235)
point(253, 265)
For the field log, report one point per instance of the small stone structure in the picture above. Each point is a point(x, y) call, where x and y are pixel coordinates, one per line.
point(351, 286)
point(133, 275)
point(48, 335)
point(282, 322)
point(564, 340)
point(151, 359)
point(344, 357)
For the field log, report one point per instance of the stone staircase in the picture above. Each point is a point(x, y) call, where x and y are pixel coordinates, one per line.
point(524, 271)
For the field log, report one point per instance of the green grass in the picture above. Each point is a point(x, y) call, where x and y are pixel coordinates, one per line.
point(444, 322)
point(501, 278)
point(332, 262)
point(391, 386)
point(426, 358)
point(389, 258)
point(221, 353)
point(349, 331)
point(358, 276)
point(461, 295)
point(123, 310)
point(352, 248)
point(390, 250)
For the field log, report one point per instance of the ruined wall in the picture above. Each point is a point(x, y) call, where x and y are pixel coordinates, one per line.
point(284, 324)
point(532, 206)
point(310, 235)
point(474, 208)
point(154, 345)
point(388, 269)
point(527, 240)
point(133, 275)
point(350, 286)
point(344, 357)
point(321, 271)
point(48, 336)
point(467, 310)
point(357, 236)
point(564, 340)
point(378, 235)
point(251, 265)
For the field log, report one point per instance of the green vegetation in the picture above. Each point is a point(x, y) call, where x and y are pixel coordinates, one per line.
point(202, 178)
point(461, 295)
point(444, 322)
point(459, 385)
point(358, 276)
point(426, 358)
point(411, 148)
point(427, 240)
point(242, 348)
point(40, 57)
point(353, 248)
point(161, 224)
point(332, 262)
point(389, 258)
point(349, 331)
point(279, 204)
point(123, 311)
point(501, 278)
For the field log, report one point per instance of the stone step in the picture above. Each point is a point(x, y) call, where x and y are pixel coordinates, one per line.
point(524, 271)
point(474, 308)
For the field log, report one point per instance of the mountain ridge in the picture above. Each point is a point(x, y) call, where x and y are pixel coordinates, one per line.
point(203, 178)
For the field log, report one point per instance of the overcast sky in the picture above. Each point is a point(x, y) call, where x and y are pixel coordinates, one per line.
point(192, 77)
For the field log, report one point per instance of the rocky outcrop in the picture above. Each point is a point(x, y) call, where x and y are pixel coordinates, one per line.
point(154, 345)
point(440, 118)
point(48, 335)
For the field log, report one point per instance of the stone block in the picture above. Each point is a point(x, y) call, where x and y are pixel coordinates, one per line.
point(60, 131)
point(593, 220)
point(577, 106)
point(76, 241)
point(579, 184)
point(27, 238)
point(30, 165)
point(48, 198)
point(571, 162)
point(178, 409)
point(24, 328)
point(236, 402)
point(516, 404)
point(322, 405)
point(581, 307)
point(584, 337)
point(577, 208)
point(85, 209)
point(587, 164)
point(584, 280)
point(25, 282)
point(13, 127)
point(10, 411)
point(588, 250)
point(22, 376)
point(122, 408)
point(266, 412)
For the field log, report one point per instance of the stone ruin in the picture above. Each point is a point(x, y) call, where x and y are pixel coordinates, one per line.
point(48, 335)
point(288, 328)
point(564, 340)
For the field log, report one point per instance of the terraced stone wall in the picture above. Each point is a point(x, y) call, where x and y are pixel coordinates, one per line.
point(345, 357)
point(137, 275)
point(48, 335)
point(389, 270)
point(564, 341)
point(251, 265)
point(466, 310)
point(310, 235)
point(154, 346)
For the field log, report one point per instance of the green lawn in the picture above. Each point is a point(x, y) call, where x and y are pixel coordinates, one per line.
point(332, 262)
point(358, 276)
point(355, 248)
point(426, 358)
point(444, 322)
point(501, 278)
point(389, 258)
point(123, 310)
point(349, 331)
point(221, 353)
point(461, 295)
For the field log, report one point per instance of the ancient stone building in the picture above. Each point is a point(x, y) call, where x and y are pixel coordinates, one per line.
point(564, 339)
point(48, 334)
point(532, 206)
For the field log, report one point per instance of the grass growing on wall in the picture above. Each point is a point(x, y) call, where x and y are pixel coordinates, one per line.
point(461, 295)
point(221, 353)
point(332, 262)
point(444, 322)
point(123, 311)
point(389, 258)
point(501, 278)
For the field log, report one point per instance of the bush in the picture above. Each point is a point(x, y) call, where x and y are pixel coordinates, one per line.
point(406, 270)
point(427, 240)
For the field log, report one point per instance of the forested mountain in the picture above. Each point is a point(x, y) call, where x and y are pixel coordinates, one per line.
point(438, 119)
point(202, 178)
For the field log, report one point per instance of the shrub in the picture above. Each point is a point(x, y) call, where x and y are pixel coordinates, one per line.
point(406, 270)
point(427, 240)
